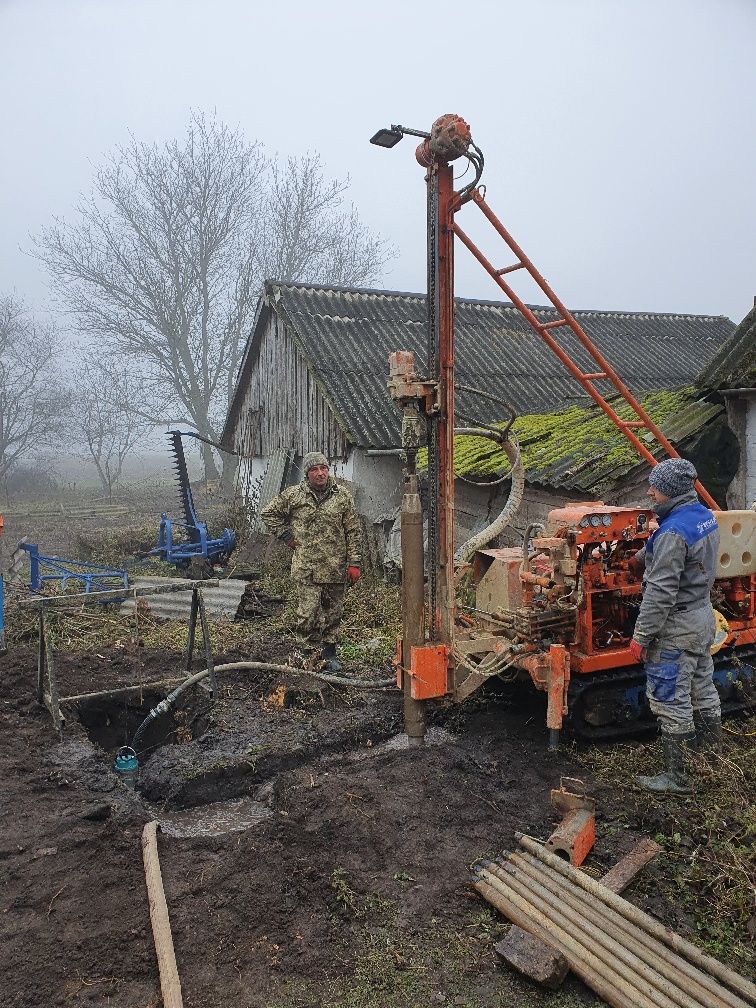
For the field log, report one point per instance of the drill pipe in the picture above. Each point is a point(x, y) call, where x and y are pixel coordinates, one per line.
point(605, 981)
point(413, 604)
point(663, 971)
point(684, 948)
point(677, 969)
point(633, 971)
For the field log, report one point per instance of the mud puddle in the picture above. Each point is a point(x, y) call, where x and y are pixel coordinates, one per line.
point(433, 736)
point(215, 819)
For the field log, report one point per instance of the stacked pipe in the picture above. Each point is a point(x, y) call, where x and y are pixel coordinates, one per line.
point(628, 958)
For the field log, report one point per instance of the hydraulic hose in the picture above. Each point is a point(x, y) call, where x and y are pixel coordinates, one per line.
point(168, 702)
point(532, 527)
point(478, 541)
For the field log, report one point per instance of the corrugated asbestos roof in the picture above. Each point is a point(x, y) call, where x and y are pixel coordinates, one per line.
point(347, 336)
point(594, 457)
point(734, 365)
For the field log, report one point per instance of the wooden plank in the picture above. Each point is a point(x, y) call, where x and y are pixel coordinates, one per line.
point(622, 874)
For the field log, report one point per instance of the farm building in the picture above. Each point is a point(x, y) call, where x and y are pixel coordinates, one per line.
point(732, 374)
point(313, 377)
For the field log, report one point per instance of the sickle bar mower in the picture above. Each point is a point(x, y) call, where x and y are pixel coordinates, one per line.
point(194, 545)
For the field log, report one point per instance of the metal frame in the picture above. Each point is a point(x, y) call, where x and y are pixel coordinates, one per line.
point(94, 577)
point(48, 692)
point(199, 546)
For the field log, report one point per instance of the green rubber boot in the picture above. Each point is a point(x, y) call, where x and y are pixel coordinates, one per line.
point(708, 731)
point(673, 779)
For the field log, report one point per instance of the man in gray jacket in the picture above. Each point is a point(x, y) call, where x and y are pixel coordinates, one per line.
point(675, 627)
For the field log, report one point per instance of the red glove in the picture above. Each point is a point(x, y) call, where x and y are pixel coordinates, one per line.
point(353, 573)
point(637, 651)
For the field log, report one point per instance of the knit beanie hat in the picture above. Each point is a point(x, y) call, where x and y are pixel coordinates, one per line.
point(673, 477)
point(313, 459)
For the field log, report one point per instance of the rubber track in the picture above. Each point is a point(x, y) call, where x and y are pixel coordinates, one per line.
point(613, 679)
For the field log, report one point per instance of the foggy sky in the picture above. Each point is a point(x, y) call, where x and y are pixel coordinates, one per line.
point(618, 134)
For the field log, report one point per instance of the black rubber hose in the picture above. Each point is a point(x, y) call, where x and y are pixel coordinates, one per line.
point(168, 702)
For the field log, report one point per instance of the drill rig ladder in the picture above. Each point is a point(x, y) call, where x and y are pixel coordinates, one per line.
point(566, 320)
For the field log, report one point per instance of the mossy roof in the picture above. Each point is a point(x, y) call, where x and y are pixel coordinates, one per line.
point(580, 448)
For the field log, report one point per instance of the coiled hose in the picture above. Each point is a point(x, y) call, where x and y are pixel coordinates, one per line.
point(168, 702)
point(512, 451)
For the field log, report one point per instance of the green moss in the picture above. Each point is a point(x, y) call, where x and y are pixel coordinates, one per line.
point(579, 436)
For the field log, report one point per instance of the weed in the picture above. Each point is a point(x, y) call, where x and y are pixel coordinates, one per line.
point(706, 875)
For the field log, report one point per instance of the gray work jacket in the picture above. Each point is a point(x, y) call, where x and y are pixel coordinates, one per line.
point(680, 560)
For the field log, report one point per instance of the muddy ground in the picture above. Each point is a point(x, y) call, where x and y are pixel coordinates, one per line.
point(348, 886)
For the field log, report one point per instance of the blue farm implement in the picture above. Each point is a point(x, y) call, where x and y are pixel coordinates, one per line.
point(187, 543)
point(49, 570)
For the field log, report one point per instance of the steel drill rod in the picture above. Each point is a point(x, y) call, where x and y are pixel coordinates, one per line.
point(600, 976)
point(705, 962)
point(413, 604)
point(629, 966)
point(604, 982)
point(704, 987)
point(667, 965)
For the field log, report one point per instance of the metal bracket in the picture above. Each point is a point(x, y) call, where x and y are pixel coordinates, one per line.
point(576, 834)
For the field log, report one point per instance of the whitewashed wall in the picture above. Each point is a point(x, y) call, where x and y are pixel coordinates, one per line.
point(741, 417)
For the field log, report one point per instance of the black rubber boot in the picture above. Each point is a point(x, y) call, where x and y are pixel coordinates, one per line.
point(328, 658)
point(708, 731)
point(673, 779)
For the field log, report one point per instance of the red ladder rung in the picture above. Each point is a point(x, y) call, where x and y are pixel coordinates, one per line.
point(593, 377)
point(510, 269)
point(553, 325)
point(634, 423)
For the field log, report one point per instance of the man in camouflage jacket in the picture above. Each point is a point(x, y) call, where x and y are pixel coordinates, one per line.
point(318, 521)
point(675, 628)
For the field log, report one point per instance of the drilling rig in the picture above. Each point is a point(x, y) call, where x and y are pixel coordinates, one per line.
point(561, 609)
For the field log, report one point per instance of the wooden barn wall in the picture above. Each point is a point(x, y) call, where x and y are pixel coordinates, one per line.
point(282, 406)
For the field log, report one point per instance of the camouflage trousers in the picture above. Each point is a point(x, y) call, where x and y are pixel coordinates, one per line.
point(317, 613)
point(679, 670)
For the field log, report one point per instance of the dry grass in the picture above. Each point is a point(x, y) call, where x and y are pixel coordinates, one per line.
point(708, 871)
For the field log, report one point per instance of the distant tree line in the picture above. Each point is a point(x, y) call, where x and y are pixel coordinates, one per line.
point(158, 275)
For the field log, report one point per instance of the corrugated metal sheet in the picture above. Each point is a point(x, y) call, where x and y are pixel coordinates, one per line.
point(272, 481)
point(347, 336)
point(221, 603)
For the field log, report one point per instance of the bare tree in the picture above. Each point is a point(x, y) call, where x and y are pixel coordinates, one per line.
point(32, 398)
point(107, 420)
point(168, 255)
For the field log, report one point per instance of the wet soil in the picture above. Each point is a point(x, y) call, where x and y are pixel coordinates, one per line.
point(341, 839)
